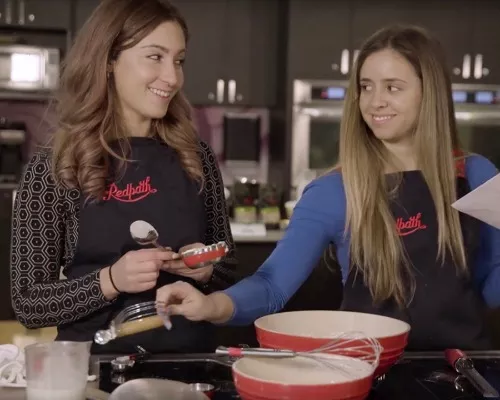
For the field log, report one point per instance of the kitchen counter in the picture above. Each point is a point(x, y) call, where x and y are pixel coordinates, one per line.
point(20, 393)
point(271, 236)
point(95, 361)
point(409, 378)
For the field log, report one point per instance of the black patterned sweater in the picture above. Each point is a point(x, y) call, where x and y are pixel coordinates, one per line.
point(45, 230)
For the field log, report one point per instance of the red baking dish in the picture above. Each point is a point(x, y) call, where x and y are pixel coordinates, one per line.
point(298, 378)
point(202, 256)
point(308, 330)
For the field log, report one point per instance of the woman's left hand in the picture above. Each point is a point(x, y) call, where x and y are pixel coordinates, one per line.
point(177, 266)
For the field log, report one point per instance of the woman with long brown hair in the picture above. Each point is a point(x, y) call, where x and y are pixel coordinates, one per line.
point(125, 149)
point(404, 251)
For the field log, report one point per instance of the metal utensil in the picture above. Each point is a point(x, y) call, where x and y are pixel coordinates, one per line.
point(155, 389)
point(345, 345)
point(145, 234)
point(451, 377)
point(136, 312)
point(205, 388)
point(465, 366)
point(121, 364)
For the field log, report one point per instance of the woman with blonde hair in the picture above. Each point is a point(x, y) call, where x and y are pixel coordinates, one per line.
point(125, 150)
point(404, 251)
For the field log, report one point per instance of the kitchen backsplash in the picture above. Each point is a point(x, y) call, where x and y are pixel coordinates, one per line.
point(39, 118)
point(209, 121)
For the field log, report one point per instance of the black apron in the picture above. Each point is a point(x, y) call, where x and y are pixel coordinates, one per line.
point(157, 190)
point(447, 310)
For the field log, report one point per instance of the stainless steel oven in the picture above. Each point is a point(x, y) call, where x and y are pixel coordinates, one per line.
point(317, 112)
point(477, 111)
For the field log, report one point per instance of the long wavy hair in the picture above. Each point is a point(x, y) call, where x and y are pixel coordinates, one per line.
point(376, 249)
point(86, 103)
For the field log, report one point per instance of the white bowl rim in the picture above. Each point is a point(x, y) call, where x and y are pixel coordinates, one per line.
point(370, 372)
point(258, 323)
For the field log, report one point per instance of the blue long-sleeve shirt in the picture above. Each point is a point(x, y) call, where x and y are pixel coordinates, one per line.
point(319, 219)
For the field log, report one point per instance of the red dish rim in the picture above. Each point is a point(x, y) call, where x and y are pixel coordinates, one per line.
point(204, 257)
point(258, 325)
point(269, 382)
point(246, 396)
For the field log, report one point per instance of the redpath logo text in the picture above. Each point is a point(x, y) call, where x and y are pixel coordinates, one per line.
point(131, 193)
point(409, 226)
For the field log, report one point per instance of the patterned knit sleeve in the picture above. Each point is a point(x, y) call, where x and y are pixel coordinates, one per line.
point(39, 297)
point(218, 227)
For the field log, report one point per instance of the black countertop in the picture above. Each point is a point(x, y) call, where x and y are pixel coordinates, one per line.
point(418, 376)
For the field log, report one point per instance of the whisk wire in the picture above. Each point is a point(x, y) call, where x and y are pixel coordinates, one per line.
point(347, 346)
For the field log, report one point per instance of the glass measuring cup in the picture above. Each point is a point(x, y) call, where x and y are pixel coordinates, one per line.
point(133, 319)
point(57, 370)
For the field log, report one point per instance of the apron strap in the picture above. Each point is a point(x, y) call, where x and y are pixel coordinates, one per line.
point(459, 163)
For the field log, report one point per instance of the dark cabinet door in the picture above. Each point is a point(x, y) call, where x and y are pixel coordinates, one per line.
point(6, 10)
point(252, 51)
point(6, 200)
point(486, 38)
point(206, 52)
point(318, 40)
point(47, 14)
point(449, 22)
point(446, 20)
point(369, 17)
point(83, 10)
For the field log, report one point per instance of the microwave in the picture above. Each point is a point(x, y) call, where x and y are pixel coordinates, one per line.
point(29, 68)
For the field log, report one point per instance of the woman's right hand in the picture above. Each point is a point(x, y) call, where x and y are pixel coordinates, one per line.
point(136, 271)
point(181, 298)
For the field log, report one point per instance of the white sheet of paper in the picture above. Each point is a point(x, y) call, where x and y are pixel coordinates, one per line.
point(483, 202)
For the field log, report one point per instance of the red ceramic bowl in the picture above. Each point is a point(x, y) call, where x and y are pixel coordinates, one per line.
point(308, 330)
point(298, 378)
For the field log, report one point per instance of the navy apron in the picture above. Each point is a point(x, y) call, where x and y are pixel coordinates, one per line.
point(155, 189)
point(446, 311)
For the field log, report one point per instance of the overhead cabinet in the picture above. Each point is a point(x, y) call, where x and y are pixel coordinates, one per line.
point(232, 51)
point(44, 14)
point(325, 37)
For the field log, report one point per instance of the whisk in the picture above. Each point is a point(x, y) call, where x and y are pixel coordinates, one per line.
point(346, 345)
point(118, 326)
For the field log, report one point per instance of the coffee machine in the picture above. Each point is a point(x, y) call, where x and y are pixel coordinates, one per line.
point(12, 142)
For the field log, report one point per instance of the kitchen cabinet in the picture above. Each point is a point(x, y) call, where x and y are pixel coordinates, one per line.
point(5, 12)
point(325, 37)
point(6, 204)
point(204, 79)
point(83, 10)
point(446, 20)
point(318, 39)
point(251, 67)
point(322, 290)
point(466, 33)
point(231, 51)
point(42, 14)
point(47, 14)
point(484, 48)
